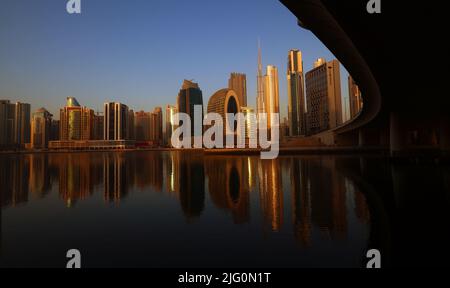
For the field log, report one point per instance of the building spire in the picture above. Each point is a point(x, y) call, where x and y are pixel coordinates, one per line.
point(259, 58)
point(260, 83)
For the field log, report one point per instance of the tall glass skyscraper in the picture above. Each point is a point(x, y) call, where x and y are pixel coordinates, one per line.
point(296, 96)
point(189, 96)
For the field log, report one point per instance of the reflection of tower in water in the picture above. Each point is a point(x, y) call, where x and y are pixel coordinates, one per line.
point(228, 185)
point(14, 177)
point(328, 198)
point(114, 177)
point(191, 184)
point(147, 170)
point(78, 174)
point(40, 181)
point(271, 194)
point(171, 176)
point(301, 202)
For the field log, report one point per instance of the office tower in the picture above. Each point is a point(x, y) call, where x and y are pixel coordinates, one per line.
point(260, 85)
point(142, 126)
point(76, 122)
point(271, 94)
point(323, 96)
point(115, 121)
point(131, 125)
point(238, 83)
point(296, 96)
point(354, 96)
point(189, 96)
point(41, 125)
point(224, 102)
point(22, 124)
point(156, 126)
point(170, 118)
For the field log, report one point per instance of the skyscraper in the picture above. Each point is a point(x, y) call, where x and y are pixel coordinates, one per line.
point(271, 94)
point(41, 125)
point(14, 124)
point(116, 118)
point(156, 135)
point(323, 96)
point(189, 96)
point(238, 83)
point(354, 96)
point(296, 97)
point(260, 108)
point(170, 118)
point(76, 122)
point(22, 124)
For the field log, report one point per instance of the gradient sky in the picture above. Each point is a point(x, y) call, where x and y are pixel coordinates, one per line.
point(139, 51)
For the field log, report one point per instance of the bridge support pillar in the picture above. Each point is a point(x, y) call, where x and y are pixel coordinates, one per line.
point(444, 135)
point(362, 137)
point(397, 134)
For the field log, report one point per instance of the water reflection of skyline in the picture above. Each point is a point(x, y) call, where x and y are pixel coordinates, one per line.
point(228, 181)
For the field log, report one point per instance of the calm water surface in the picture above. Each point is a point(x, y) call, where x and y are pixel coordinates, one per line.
point(183, 209)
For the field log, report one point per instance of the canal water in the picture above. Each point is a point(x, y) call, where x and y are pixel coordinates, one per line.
point(186, 209)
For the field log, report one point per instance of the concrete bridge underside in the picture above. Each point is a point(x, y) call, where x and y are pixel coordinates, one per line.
point(399, 113)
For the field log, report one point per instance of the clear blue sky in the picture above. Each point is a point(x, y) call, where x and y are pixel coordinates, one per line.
point(139, 51)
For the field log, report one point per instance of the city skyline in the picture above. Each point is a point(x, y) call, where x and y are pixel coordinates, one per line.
point(133, 75)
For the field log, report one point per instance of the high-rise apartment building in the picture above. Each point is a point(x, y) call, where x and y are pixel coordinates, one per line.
point(156, 131)
point(41, 125)
point(142, 126)
point(323, 96)
point(238, 83)
point(76, 122)
point(296, 96)
point(250, 125)
point(14, 124)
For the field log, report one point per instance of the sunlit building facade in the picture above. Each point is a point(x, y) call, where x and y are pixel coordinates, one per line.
point(354, 96)
point(323, 96)
point(271, 94)
point(76, 122)
point(223, 102)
